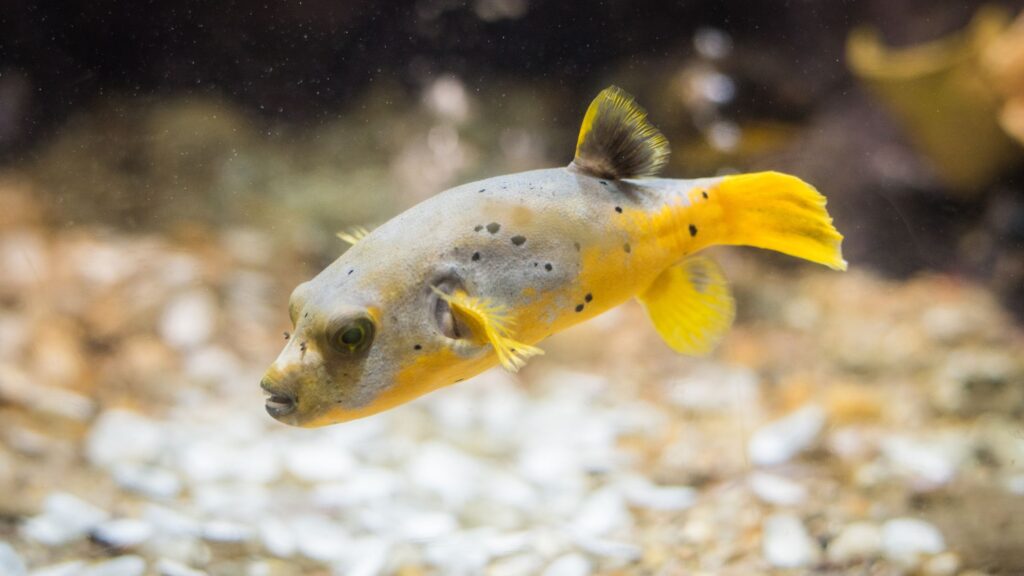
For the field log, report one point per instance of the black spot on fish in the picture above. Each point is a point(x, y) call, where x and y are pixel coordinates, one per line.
point(693, 230)
point(576, 245)
point(534, 264)
point(417, 347)
point(627, 247)
point(618, 209)
point(519, 240)
point(579, 307)
point(478, 227)
point(287, 336)
point(548, 266)
point(481, 190)
point(306, 315)
point(351, 270)
point(588, 297)
point(704, 194)
point(459, 380)
point(603, 182)
point(493, 227)
point(476, 256)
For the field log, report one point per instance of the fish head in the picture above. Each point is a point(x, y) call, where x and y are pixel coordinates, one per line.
point(358, 349)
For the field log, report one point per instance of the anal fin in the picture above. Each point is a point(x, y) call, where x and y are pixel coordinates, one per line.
point(489, 323)
point(691, 305)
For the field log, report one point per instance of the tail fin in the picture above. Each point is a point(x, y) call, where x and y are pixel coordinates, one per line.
point(776, 212)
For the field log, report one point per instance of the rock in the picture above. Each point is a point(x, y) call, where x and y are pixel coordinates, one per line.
point(189, 320)
point(518, 565)
point(450, 474)
point(907, 540)
point(226, 531)
point(856, 542)
point(120, 566)
point(64, 518)
point(18, 389)
point(610, 549)
point(974, 382)
point(321, 539)
point(786, 543)
point(123, 533)
point(120, 436)
point(426, 526)
point(277, 537)
point(713, 389)
point(165, 567)
point(783, 439)
point(777, 490)
point(568, 565)
point(370, 558)
point(11, 563)
point(642, 493)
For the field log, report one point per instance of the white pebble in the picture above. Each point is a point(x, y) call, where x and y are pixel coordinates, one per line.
point(319, 538)
point(777, 490)
point(277, 537)
point(123, 533)
point(166, 567)
point(226, 531)
point(189, 319)
point(786, 543)
point(120, 566)
point(156, 483)
point(602, 513)
point(64, 518)
point(610, 549)
point(783, 439)
point(319, 462)
point(123, 436)
point(856, 542)
point(569, 565)
point(70, 568)
point(645, 494)
point(370, 557)
point(11, 563)
point(906, 540)
point(450, 474)
point(931, 464)
point(945, 564)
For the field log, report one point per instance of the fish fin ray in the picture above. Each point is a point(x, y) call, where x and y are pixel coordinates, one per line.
point(490, 323)
point(617, 141)
point(691, 305)
point(353, 234)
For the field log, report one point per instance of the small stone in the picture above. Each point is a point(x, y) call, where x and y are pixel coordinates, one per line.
point(319, 462)
point(156, 483)
point(123, 436)
point(427, 526)
point(856, 542)
point(786, 543)
point(321, 539)
point(777, 490)
point(602, 513)
point(277, 538)
point(64, 518)
point(907, 540)
point(610, 549)
point(70, 568)
point(644, 494)
point(783, 439)
point(189, 320)
point(225, 531)
point(569, 565)
point(929, 464)
point(166, 567)
point(120, 566)
point(123, 533)
point(11, 563)
point(945, 564)
point(517, 565)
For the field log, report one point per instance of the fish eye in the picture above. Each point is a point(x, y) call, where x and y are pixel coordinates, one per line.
point(354, 336)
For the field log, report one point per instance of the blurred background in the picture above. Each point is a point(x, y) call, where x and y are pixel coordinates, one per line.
point(170, 170)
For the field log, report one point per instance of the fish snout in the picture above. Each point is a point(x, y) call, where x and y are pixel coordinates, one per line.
point(279, 402)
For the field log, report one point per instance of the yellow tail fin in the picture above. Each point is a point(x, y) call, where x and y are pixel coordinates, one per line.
point(776, 212)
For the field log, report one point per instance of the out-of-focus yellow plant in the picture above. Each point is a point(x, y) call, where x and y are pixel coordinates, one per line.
point(959, 97)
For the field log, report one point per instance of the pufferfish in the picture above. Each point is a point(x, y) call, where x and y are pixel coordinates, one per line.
point(478, 275)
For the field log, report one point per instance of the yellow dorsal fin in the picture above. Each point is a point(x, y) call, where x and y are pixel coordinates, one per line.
point(489, 323)
point(616, 140)
point(691, 305)
point(353, 234)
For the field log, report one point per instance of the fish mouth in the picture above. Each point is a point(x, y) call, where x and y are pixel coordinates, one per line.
point(279, 404)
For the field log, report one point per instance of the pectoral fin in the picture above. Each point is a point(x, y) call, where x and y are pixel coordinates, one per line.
point(691, 305)
point(489, 323)
point(353, 235)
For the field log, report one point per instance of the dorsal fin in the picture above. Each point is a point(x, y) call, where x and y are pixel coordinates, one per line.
point(616, 140)
point(353, 235)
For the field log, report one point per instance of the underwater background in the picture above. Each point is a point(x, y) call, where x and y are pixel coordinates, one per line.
point(170, 171)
